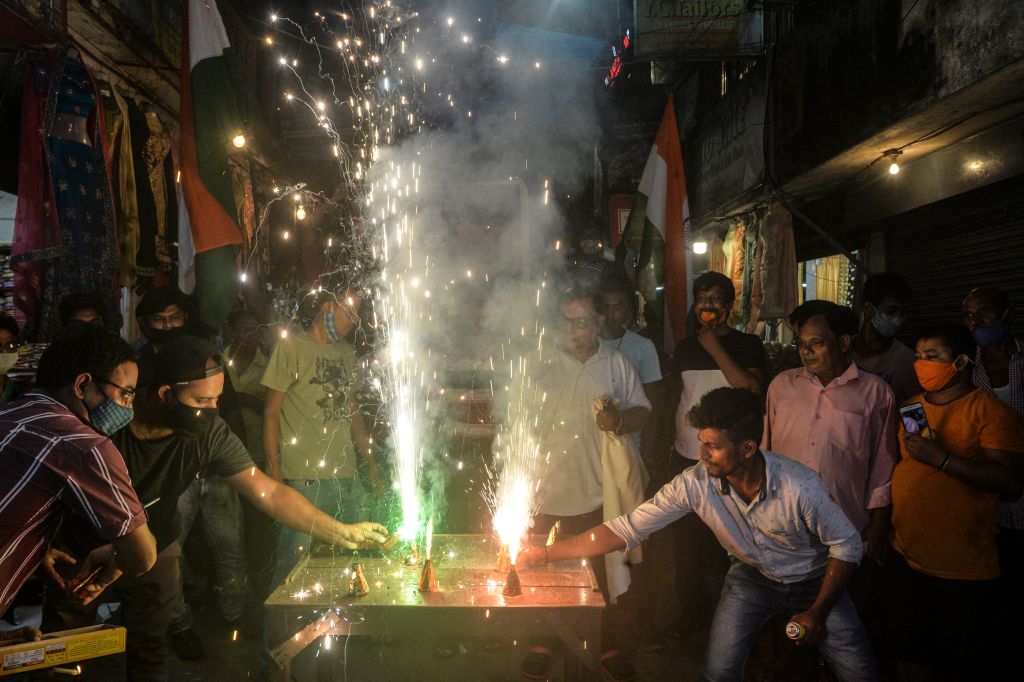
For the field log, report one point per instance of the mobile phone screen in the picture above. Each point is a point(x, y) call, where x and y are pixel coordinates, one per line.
point(915, 420)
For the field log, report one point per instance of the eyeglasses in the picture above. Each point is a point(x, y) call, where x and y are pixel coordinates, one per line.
point(127, 394)
point(11, 347)
point(577, 322)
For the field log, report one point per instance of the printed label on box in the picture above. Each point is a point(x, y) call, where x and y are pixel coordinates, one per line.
point(21, 659)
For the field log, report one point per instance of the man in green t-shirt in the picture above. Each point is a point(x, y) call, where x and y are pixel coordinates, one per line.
point(312, 426)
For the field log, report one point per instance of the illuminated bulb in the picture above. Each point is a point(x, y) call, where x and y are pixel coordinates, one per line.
point(270, 41)
point(300, 213)
point(273, 17)
point(700, 248)
point(451, 21)
point(282, 61)
point(285, 235)
point(502, 59)
point(238, 140)
point(894, 168)
point(243, 277)
point(536, 65)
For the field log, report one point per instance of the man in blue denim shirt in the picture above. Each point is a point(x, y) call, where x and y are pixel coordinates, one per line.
point(791, 547)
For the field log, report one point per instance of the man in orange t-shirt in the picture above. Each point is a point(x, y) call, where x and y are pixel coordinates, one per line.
point(941, 578)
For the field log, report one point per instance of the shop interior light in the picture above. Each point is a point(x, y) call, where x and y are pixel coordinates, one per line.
point(893, 155)
point(700, 247)
point(238, 140)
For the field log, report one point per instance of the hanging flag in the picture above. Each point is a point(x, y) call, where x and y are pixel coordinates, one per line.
point(213, 111)
point(656, 225)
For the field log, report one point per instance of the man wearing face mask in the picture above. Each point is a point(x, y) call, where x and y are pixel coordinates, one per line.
point(941, 580)
point(9, 388)
point(175, 438)
point(58, 463)
point(875, 348)
point(717, 356)
point(999, 367)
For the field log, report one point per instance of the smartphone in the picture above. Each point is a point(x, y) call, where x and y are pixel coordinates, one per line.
point(76, 586)
point(915, 420)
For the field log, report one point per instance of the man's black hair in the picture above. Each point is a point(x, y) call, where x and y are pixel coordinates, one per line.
point(954, 336)
point(159, 299)
point(237, 314)
point(999, 298)
point(840, 319)
point(618, 284)
point(877, 287)
point(81, 348)
point(736, 411)
point(80, 300)
point(713, 279)
point(8, 323)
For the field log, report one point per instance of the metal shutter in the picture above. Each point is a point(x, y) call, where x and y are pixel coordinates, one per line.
point(947, 248)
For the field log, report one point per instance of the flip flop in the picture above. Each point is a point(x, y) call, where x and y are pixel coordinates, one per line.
point(537, 663)
point(616, 666)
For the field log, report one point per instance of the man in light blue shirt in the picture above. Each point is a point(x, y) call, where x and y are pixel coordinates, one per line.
point(791, 547)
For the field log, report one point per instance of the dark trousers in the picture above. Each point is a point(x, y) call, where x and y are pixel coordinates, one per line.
point(1010, 543)
point(146, 603)
point(701, 563)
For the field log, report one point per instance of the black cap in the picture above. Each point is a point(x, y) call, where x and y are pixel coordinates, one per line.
point(184, 359)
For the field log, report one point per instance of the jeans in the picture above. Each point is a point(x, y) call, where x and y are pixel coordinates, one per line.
point(337, 498)
point(222, 521)
point(749, 600)
point(146, 603)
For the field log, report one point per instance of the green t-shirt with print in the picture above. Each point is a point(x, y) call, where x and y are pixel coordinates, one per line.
point(317, 380)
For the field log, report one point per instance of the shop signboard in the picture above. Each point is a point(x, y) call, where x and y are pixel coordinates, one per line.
point(698, 29)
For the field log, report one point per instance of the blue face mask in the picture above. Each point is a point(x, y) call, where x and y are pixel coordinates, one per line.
point(886, 325)
point(332, 332)
point(990, 336)
point(109, 417)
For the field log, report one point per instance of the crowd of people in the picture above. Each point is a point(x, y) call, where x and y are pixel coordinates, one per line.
point(870, 499)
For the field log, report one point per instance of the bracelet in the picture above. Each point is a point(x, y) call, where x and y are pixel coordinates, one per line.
point(942, 467)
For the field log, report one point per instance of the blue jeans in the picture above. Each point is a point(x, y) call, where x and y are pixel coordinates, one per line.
point(337, 498)
point(749, 600)
point(222, 520)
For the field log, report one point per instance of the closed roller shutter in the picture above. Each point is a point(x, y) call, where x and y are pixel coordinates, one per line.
point(947, 248)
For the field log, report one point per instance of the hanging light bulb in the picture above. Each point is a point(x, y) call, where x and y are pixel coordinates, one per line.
point(700, 248)
point(300, 213)
point(238, 140)
point(894, 155)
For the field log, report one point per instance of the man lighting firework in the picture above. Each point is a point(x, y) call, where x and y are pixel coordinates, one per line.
point(176, 437)
point(580, 373)
point(792, 548)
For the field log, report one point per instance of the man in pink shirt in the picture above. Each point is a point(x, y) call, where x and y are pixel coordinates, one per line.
point(836, 419)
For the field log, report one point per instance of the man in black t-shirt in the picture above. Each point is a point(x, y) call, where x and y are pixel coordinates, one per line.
point(176, 437)
point(716, 356)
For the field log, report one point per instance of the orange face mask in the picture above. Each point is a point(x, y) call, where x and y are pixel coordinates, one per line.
point(708, 316)
point(932, 375)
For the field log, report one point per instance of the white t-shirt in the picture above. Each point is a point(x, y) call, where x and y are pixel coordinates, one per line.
point(640, 352)
point(570, 439)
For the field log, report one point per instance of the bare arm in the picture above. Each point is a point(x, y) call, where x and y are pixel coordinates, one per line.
point(272, 432)
point(994, 472)
point(135, 552)
point(750, 378)
point(287, 506)
point(837, 575)
point(597, 541)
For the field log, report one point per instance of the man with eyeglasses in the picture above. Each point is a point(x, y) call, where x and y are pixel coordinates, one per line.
point(175, 438)
point(9, 356)
point(57, 462)
point(581, 372)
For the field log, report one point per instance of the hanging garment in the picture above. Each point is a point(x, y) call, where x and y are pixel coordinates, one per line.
point(778, 271)
point(69, 245)
point(736, 267)
point(624, 478)
point(123, 179)
point(751, 256)
point(157, 154)
point(717, 260)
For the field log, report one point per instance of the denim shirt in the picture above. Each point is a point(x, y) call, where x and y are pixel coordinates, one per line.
point(788, 532)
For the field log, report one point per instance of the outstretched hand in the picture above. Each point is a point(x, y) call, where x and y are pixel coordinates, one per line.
point(362, 535)
point(530, 556)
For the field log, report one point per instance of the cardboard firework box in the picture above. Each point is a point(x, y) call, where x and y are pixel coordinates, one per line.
point(59, 648)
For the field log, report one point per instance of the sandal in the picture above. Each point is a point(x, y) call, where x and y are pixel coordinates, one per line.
point(616, 666)
point(537, 663)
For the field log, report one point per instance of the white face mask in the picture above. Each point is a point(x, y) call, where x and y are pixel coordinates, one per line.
point(8, 360)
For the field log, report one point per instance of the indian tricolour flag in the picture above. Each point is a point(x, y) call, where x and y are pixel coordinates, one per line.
point(656, 223)
point(213, 110)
